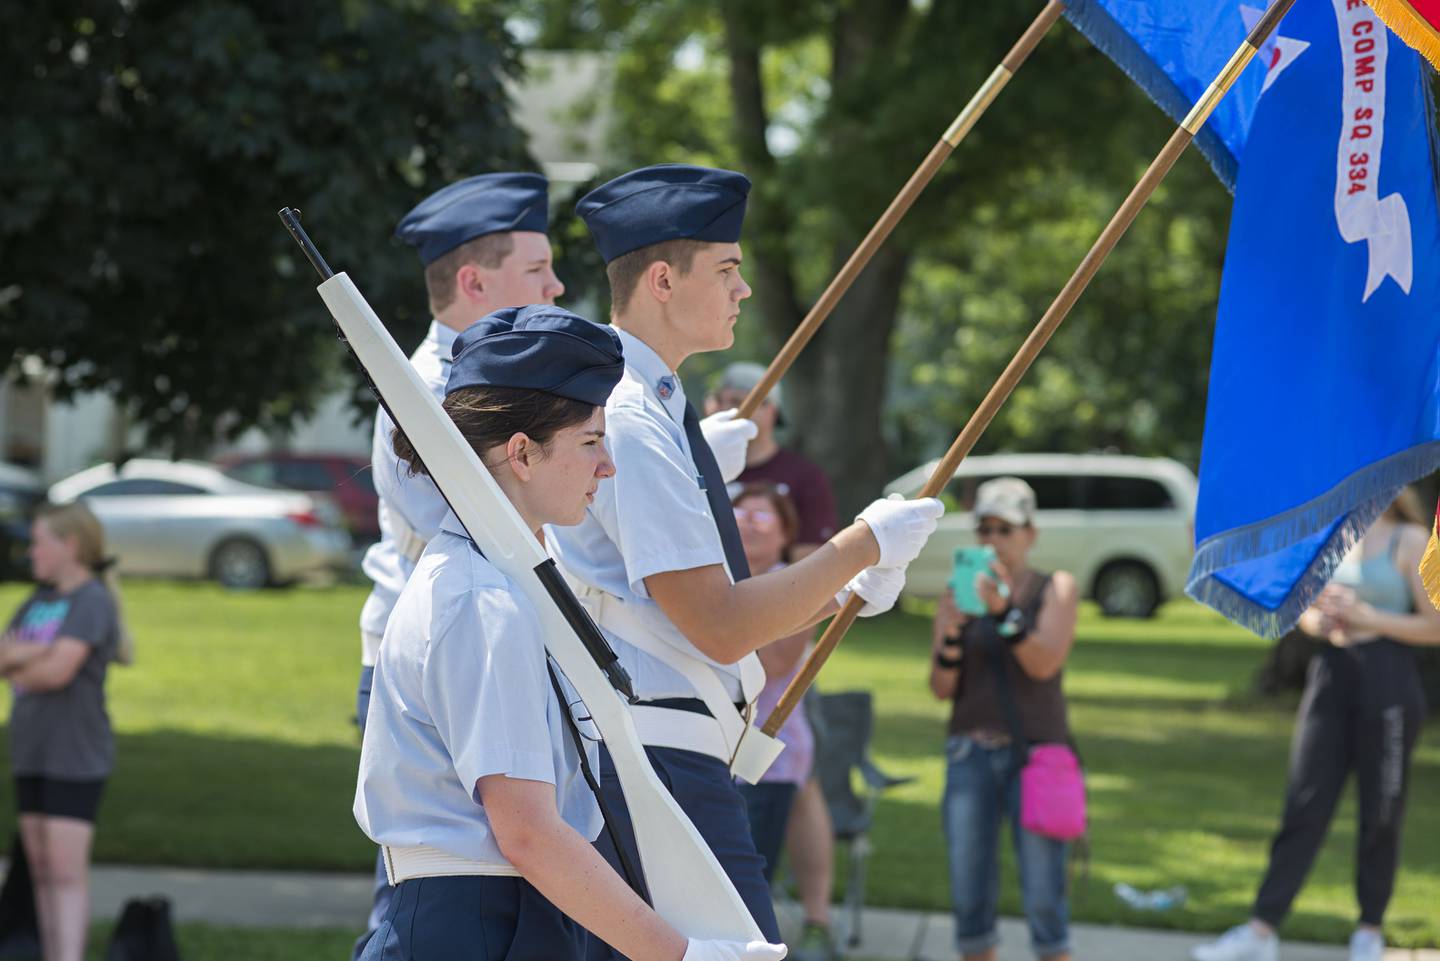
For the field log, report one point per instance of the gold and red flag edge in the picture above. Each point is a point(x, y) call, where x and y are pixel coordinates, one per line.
point(1417, 22)
point(1430, 562)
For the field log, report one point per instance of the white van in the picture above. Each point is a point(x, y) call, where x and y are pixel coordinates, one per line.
point(1124, 526)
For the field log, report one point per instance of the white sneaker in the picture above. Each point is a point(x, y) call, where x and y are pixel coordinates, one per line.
point(1366, 945)
point(1240, 943)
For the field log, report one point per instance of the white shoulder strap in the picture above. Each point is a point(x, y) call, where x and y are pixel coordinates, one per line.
point(736, 728)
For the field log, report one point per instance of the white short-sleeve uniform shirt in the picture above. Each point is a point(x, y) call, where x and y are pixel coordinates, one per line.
point(461, 692)
point(651, 517)
point(405, 502)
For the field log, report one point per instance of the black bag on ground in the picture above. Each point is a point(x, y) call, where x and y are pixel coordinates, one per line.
point(19, 927)
point(143, 932)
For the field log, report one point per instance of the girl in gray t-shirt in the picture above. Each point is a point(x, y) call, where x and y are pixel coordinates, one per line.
point(55, 653)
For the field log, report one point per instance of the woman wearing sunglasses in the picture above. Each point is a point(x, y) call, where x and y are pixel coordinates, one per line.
point(768, 526)
point(1027, 633)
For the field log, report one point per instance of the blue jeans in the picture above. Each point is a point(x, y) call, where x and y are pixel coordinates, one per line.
point(980, 784)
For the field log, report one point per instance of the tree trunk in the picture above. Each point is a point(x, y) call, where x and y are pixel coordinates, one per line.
point(839, 384)
point(767, 224)
point(1288, 663)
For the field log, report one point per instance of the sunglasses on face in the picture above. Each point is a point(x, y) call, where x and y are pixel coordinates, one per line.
point(759, 519)
point(994, 530)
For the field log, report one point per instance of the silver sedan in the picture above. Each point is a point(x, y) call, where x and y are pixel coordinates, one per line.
point(186, 519)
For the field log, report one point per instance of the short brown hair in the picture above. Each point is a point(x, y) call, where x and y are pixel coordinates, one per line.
point(626, 270)
point(488, 251)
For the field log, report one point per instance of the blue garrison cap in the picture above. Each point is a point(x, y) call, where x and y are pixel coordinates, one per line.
point(665, 202)
point(474, 207)
point(539, 347)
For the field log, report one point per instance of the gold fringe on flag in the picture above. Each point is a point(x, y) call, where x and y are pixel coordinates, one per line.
point(1430, 564)
point(1417, 29)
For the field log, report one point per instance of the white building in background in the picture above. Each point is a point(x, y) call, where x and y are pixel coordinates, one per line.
point(563, 104)
point(55, 438)
point(564, 107)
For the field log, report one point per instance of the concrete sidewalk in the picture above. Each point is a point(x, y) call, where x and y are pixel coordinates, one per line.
point(911, 935)
point(283, 899)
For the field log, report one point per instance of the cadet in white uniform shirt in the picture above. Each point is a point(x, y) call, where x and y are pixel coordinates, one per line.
point(658, 559)
point(483, 243)
point(470, 777)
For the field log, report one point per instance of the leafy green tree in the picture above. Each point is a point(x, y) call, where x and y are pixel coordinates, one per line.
point(1128, 369)
point(147, 148)
point(829, 105)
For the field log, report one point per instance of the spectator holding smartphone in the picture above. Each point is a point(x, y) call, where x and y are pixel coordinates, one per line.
point(1027, 633)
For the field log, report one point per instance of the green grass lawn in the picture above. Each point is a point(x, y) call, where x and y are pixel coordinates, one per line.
point(237, 749)
point(1186, 776)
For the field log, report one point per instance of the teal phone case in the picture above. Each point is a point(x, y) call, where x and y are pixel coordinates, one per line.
point(970, 561)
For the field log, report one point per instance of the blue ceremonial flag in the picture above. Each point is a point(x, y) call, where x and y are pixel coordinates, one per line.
point(1323, 382)
point(1174, 48)
point(1323, 377)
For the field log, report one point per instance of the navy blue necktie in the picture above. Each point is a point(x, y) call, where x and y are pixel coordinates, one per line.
point(717, 495)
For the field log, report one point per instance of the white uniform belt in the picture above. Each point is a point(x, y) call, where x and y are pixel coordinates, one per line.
point(684, 730)
point(369, 648)
point(407, 541)
point(423, 861)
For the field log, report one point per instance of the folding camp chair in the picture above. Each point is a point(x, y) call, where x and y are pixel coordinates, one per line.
point(843, 723)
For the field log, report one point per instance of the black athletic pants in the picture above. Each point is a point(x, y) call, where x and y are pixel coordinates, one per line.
point(1362, 710)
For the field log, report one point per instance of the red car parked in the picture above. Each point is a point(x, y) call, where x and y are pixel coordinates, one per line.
point(345, 478)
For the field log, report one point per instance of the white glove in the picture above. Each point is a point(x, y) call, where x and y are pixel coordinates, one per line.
point(728, 438)
point(698, 950)
point(878, 587)
point(901, 527)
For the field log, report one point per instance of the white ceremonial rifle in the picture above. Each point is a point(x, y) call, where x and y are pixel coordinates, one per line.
point(687, 886)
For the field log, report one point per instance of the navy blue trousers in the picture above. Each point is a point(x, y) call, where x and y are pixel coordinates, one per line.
point(473, 919)
point(703, 788)
point(380, 895)
point(769, 804)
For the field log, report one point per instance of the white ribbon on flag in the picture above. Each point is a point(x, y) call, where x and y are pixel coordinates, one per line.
point(1360, 212)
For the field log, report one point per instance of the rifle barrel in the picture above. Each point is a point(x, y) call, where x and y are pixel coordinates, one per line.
point(291, 218)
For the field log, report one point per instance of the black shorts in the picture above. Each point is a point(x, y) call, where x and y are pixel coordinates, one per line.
point(58, 797)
